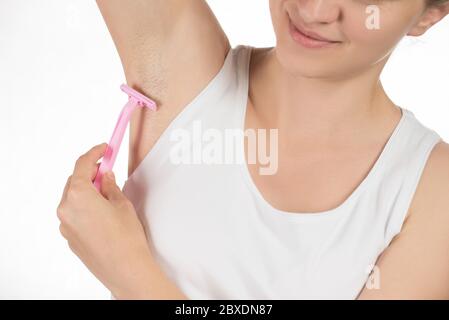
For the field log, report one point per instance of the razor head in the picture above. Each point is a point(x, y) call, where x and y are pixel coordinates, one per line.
point(141, 100)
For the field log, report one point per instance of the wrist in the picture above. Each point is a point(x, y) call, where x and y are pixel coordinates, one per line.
point(136, 272)
point(151, 283)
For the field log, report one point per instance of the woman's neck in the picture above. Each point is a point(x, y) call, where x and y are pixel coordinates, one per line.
point(324, 109)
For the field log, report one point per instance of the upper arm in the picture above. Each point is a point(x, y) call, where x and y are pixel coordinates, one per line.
point(416, 263)
point(157, 40)
point(170, 50)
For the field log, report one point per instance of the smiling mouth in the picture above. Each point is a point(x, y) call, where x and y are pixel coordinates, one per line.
point(309, 39)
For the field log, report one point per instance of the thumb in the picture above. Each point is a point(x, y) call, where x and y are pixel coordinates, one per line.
point(109, 189)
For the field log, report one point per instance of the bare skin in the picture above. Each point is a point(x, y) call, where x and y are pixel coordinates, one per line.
point(330, 149)
point(318, 168)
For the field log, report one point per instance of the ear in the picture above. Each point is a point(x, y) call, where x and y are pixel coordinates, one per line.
point(431, 16)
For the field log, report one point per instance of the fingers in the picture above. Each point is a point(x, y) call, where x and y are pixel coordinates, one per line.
point(86, 165)
point(94, 172)
point(63, 198)
point(66, 187)
point(110, 190)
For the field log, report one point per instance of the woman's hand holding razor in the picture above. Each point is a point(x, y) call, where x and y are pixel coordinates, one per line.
point(104, 231)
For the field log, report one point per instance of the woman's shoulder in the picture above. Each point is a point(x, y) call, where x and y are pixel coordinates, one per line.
point(415, 264)
point(432, 194)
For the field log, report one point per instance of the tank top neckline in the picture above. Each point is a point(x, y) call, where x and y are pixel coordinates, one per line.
point(296, 215)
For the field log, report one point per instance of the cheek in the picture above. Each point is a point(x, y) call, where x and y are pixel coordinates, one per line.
point(369, 45)
point(277, 14)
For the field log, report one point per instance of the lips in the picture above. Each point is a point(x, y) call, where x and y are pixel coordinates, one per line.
point(310, 34)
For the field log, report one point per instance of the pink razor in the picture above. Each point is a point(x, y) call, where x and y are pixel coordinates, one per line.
point(136, 99)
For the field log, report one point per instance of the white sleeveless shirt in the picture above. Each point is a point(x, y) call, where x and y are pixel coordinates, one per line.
point(216, 237)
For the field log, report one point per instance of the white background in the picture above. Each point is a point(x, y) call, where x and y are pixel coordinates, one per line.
point(59, 96)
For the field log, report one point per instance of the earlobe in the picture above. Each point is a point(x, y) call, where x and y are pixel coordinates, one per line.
point(430, 17)
point(417, 31)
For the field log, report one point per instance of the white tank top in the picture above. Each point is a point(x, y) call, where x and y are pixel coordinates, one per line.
point(215, 235)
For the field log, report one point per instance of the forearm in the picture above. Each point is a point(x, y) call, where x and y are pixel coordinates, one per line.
point(145, 280)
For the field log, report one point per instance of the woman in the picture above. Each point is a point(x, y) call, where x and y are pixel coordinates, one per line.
point(357, 206)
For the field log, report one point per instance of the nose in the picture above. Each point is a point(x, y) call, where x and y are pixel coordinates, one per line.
point(319, 11)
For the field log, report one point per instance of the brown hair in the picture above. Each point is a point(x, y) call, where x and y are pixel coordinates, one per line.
point(435, 2)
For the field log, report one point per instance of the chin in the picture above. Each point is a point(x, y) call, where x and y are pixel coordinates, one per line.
point(304, 65)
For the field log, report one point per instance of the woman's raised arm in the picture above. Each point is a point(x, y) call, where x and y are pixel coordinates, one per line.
point(170, 51)
point(159, 39)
